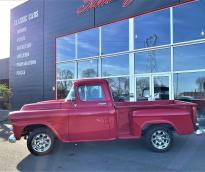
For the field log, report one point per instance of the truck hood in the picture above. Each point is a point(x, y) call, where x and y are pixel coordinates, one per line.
point(45, 105)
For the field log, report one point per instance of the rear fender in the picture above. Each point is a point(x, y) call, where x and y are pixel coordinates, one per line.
point(138, 129)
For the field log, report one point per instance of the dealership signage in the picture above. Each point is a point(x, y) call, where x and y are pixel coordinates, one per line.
point(24, 42)
point(26, 18)
point(91, 4)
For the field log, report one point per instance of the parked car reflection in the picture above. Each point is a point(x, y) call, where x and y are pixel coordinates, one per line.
point(200, 104)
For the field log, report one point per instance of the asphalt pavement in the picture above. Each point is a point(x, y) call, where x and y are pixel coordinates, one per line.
point(187, 154)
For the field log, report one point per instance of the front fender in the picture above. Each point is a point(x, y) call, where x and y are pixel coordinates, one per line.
point(18, 128)
point(55, 120)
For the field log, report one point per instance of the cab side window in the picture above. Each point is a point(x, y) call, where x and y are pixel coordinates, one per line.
point(91, 93)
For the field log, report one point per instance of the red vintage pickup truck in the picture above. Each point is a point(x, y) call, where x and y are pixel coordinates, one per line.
point(90, 114)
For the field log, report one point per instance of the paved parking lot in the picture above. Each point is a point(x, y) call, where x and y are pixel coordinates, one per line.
point(187, 154)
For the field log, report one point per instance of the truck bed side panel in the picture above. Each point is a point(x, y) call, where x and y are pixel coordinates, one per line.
point(179, 118)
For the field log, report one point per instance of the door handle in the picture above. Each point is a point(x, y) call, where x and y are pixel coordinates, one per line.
point(102, 104)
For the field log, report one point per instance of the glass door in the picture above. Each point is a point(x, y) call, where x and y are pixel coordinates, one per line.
point(153, 87)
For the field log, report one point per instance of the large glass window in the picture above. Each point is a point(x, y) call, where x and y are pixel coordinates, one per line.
point(65, 48)
point(63, 88)
point(119, 88)
point(65, 71)
point(152, 29)
point(190, 84)
point(115, 37)
point(191, 87)
point(189, 57)
point(115, 66)
point(189, 23)
point(88, 69)
point(88, 43)
point(153, 61)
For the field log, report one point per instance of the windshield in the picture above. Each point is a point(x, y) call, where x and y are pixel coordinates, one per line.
point(71, 94)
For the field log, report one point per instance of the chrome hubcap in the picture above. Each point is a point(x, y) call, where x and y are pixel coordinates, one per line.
point(160, 139)
point(41, 142)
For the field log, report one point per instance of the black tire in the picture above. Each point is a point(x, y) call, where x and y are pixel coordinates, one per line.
point(163, 142)
point(43, 133)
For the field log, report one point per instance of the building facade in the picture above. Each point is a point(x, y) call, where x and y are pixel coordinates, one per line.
point(159, 55)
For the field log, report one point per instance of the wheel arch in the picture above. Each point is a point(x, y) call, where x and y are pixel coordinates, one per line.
point(146, 126)
point(30, 127)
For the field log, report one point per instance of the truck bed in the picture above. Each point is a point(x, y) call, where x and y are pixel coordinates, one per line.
point(133, 115)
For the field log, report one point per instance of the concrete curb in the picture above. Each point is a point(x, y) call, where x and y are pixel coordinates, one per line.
point(3, 115)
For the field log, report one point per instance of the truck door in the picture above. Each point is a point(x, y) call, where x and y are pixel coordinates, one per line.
point(90, 120)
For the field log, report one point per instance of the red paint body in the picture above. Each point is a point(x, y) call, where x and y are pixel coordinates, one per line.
point(77, 121)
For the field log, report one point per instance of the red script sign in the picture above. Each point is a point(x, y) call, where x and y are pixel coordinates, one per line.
point(91, 4)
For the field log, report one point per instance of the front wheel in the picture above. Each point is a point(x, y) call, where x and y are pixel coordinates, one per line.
point(159, 138)
point(40, 141)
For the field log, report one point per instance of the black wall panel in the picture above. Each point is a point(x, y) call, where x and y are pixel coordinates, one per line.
point(115, 11)
point(26, 61)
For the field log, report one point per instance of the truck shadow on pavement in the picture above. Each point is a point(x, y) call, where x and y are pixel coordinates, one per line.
point(4, 131)
point(124, 155)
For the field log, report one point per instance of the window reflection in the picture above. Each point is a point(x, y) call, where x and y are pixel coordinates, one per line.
point(115, 37)
point(189, 23)
point(191, 87)
point(143, 88)
point(88, 43)
point(91, 93)
point(115, 66)
point(161, 88)
point(65, 71)
point(119, 88)
point(88, 69)
point(190, 84)
point(152, 29)
point(153, 61)
point(63, 88)
point(189, 57)
point(65, 48)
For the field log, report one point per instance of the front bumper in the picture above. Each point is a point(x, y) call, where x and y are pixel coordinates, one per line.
point(200, 131)
point(12, 139)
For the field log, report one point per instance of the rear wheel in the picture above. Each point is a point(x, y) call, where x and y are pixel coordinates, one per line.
point(159, 138)
point(40, 141)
